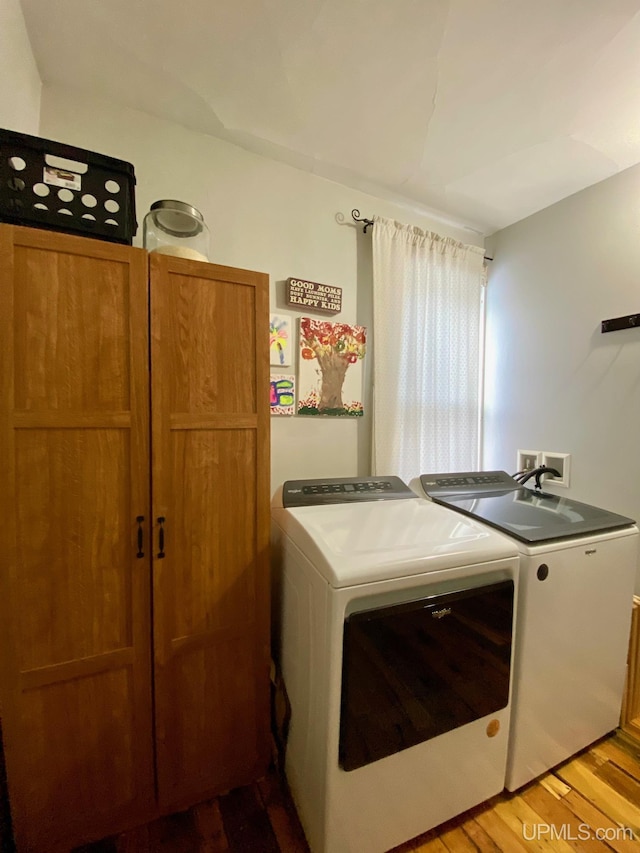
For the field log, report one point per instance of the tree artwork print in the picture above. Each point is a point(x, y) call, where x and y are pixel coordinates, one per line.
point(330, 378)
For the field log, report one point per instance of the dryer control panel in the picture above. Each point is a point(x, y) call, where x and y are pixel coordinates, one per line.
point(343, 490)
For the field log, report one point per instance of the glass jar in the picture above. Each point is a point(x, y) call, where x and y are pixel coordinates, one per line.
point(175, 228)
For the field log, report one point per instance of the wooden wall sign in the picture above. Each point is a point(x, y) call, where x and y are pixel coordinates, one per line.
point(310, 294)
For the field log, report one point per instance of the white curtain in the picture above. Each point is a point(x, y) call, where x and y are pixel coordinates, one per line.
point(427, 342)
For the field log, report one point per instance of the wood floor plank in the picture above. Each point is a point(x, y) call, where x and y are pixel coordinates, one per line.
point(207, 821)
point(500, 833)
point(597, 820)
point(282, 816)
point(553, 812)
point(527, 825)
point(620, 781)
point(581, 777)
point(434, 845)
point(478, 835)
point(613, 752)
point(245, 822)
point(555, 786)
point(456, 840)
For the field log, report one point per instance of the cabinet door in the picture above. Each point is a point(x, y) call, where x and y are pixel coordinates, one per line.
point(210, 449)
point(74, 598)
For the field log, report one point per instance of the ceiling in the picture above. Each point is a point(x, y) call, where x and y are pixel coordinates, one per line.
point(486, 110)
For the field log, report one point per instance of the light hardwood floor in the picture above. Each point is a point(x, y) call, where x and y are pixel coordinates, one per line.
point(590, 803)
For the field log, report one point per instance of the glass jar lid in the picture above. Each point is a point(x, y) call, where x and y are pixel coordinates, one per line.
point(177, 218)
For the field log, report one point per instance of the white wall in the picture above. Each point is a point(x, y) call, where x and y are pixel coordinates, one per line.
point(20, 84)
point(554, 381)
point(264, 216)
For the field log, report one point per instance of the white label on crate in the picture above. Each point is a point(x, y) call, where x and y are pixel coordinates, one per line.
point(62, 178)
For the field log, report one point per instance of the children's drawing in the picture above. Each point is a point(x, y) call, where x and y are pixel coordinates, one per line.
point(330, 376)
point(283, 393)
point(280, 339)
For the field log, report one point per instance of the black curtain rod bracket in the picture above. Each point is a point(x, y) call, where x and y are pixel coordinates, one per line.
point(630, 321)
point(355, 213)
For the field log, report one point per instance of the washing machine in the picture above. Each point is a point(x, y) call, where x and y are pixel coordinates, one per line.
point(395, 621)
point(578, 566)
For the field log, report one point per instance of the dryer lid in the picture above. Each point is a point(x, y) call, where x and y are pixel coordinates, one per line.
point(363, 542)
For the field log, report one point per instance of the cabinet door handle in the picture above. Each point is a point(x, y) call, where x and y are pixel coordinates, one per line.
point(161, 537)
point(140, 519)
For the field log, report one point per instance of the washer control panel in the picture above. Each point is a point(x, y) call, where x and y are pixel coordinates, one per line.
point(472, 482)
point(343, 490)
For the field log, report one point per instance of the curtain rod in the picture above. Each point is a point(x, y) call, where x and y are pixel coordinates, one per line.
point(355, 213)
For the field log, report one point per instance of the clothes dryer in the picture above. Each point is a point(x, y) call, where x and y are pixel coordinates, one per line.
point(395, 629)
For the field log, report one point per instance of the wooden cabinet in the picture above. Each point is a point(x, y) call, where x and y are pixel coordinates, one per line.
point(630, 715)
point(133, 674)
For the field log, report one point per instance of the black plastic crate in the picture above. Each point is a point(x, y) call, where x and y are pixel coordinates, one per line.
point(45, 184)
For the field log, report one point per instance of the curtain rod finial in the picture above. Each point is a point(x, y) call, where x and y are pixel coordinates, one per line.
point(355, 213)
